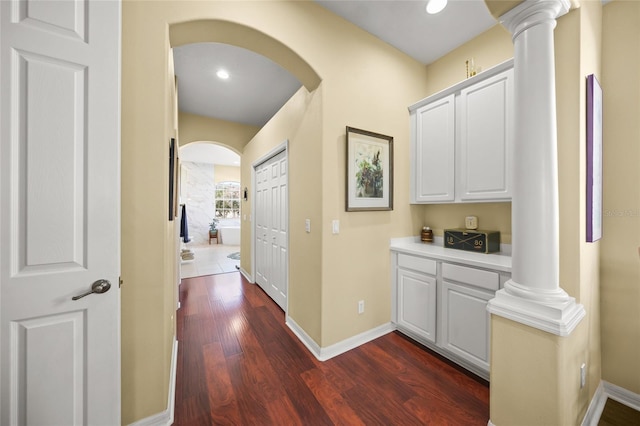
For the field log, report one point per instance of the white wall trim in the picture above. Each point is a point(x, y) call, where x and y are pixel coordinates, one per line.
point(302, 335)
point(165, 418)
point(622, 395)
point(609, 390)
point(594, 411)
point(559, 318)
point(346, 345)
point(247, 276)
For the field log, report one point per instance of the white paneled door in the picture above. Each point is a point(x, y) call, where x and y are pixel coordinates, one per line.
point(271, 222)
point(59, 212)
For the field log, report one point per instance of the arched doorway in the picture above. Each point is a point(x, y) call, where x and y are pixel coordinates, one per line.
point(209, 196)
point(197, 34)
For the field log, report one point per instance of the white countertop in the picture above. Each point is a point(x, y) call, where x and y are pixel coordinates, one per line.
point(500, 261)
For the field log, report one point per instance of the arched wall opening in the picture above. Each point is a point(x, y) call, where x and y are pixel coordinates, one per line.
point(212, 30)
point(204, 166)
point(193, 128)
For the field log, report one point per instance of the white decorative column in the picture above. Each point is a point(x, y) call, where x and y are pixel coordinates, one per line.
point(533, 295)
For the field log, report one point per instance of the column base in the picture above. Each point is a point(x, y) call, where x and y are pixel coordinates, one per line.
point(554, 312)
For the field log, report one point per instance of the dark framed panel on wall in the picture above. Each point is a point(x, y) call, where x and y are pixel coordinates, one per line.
point(172, 178)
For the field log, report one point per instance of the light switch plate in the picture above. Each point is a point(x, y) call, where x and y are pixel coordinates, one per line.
point(336, 226)
point(307, 225)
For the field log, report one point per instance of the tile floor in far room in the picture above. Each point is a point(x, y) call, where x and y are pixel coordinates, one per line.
point(209, 260)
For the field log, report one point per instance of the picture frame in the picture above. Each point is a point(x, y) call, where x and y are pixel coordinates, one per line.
point(594, 160)
point(369, 177)
point(172, 179)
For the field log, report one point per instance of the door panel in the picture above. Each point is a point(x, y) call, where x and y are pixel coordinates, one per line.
point(59, 212)
point(272, 228)
point(485, 138)
point(417, 303)
point(261, 219)
point(61, 337)
point(435, 154)
point(49, 174)
point(466, 324)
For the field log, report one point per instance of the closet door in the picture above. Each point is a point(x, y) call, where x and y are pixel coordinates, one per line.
point(262, 225)
point(272, 237)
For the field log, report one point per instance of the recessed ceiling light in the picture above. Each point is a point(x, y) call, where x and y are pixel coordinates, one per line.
point(435, 6)
point(222, 74)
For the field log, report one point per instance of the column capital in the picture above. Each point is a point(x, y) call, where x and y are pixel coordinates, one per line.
point(533, 12)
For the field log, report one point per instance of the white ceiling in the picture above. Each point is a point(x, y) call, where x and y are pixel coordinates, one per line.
point(258, 87)
point(407, 26)
point(255, 91)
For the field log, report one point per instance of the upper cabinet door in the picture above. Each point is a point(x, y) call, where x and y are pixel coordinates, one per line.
point(485, 137)
point(433, 165)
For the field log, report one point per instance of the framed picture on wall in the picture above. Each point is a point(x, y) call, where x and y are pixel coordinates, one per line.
point(594, 159)
point(369, 171)
point(172, 179)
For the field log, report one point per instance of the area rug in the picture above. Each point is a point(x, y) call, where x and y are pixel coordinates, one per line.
point(234, 256)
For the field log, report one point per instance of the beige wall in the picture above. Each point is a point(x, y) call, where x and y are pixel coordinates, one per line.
point(582, 281)
point(299, 125)
point(367, 85)
point(226, 173)
point(488, 49)
point(196, 128)
point(620, 275)
point(533, 381)
point(148, 291)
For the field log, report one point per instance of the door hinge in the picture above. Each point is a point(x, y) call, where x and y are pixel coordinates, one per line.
point(120, 282)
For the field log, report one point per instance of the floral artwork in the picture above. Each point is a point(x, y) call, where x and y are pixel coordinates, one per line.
point(369, 171)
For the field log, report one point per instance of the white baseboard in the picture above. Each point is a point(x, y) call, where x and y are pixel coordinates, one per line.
point(329, 352)
point(594, 411)
point(165, 418)
point(248, 276)
point(608, 390)
point(622, 395)
point(302, 335)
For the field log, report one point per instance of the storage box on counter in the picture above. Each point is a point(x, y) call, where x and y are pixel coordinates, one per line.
point(472, 240)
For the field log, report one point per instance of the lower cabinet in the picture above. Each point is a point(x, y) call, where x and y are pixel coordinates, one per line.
point(417, 303)
point(465, 323)
point(444, 306)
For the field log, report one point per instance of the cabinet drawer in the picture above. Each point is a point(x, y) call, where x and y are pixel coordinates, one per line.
point(416, 263)
point(471, 276)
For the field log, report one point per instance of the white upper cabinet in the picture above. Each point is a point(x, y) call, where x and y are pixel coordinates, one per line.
point(461, 141)
point(434, 151)
point(486, 111)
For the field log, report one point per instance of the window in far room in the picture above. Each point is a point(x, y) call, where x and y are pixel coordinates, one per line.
point(228, 200)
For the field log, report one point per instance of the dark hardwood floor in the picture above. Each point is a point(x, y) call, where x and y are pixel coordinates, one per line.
point(239, 364)
point(618, 414)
